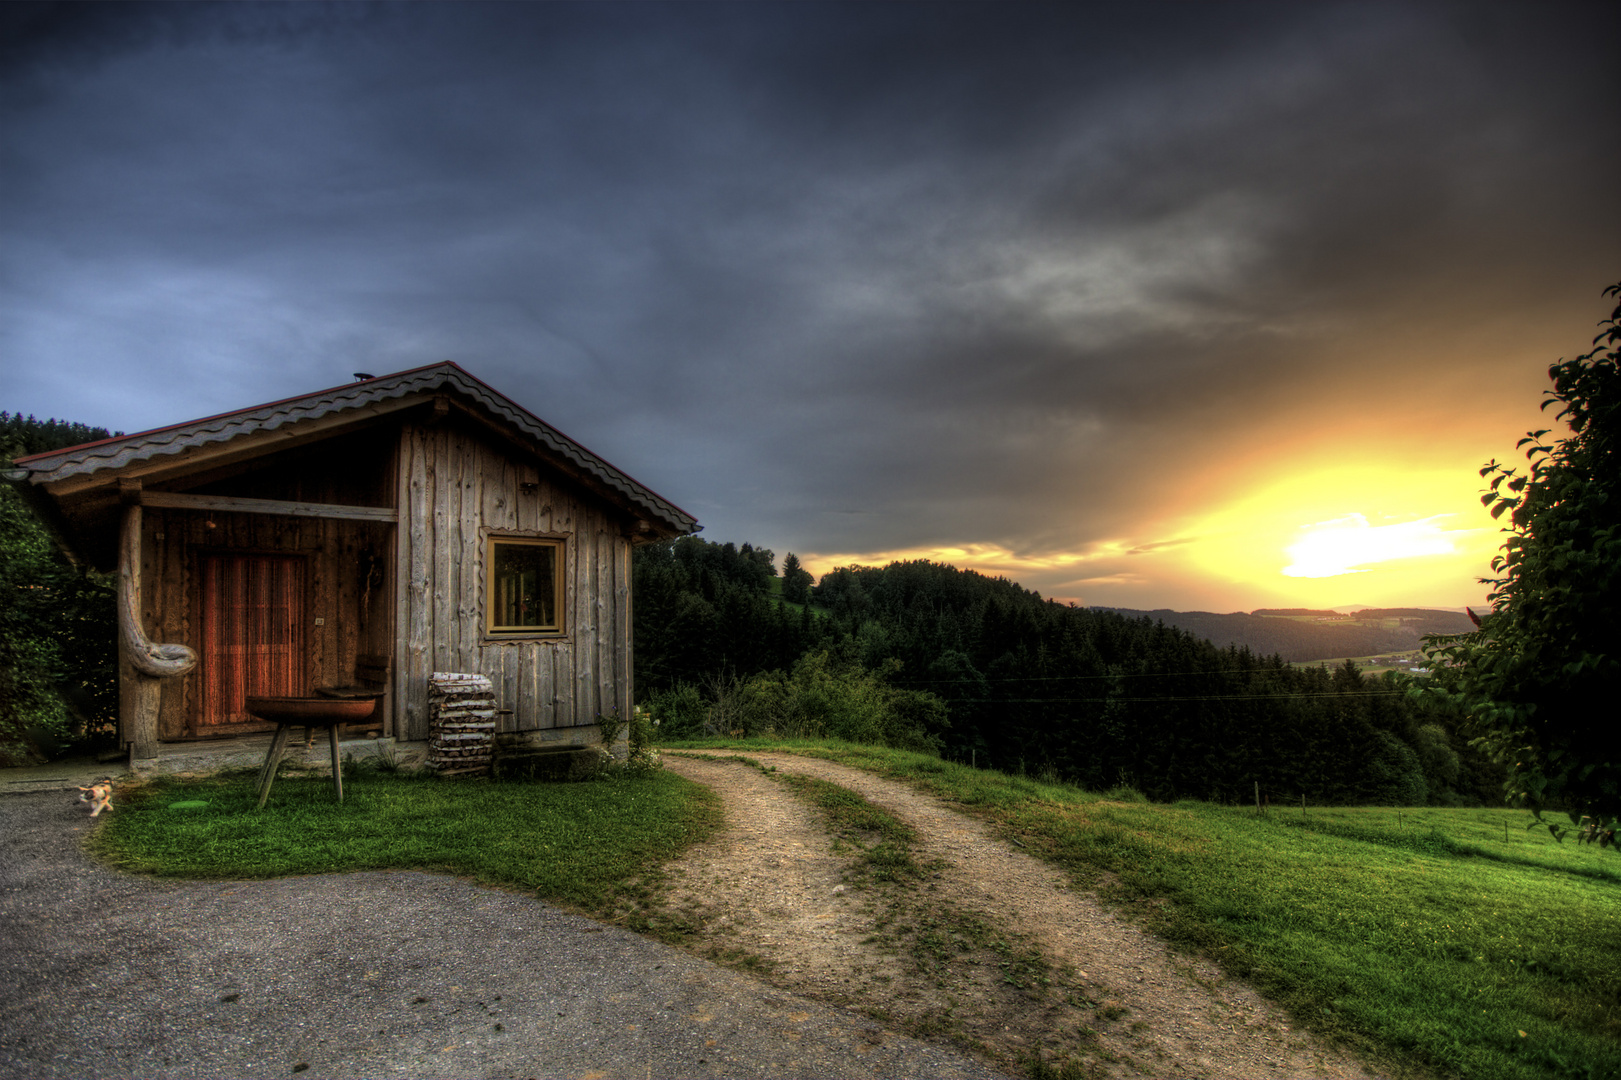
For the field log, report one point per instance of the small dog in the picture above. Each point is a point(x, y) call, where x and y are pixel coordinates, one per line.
point(99, 796)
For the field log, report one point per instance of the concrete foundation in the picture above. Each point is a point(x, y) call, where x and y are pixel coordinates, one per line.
point(205, 757)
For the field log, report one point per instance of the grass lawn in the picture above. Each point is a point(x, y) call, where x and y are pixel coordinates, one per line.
point(574, 844)
point(1446, 941)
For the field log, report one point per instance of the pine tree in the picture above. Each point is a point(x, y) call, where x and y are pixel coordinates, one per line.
point(796, 580)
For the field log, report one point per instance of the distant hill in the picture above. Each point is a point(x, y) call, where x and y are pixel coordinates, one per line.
point(1301, 634)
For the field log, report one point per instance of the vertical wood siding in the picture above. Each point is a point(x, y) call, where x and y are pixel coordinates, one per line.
point(336, 556)
point(453, 488)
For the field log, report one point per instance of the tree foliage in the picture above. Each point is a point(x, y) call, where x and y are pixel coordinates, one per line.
point(706, 611)
point(1538, 680)
point(796, 580)
point(1000, 677)
point(57, 652)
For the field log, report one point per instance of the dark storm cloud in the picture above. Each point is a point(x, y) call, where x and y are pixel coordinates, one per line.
point(838, 278)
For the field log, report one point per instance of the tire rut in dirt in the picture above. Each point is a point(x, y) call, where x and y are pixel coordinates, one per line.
point(992, 949)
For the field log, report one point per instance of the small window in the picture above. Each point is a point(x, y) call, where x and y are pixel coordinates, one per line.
point(525, 586)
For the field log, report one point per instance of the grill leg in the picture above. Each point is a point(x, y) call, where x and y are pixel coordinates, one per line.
point(267, 775)
point(337, 769)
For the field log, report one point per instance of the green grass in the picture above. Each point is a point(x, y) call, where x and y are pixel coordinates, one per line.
point(1428, 939)
point(884, 842)
point(574, 844)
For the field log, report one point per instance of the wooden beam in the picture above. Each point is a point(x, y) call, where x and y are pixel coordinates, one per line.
point(231, 504)
point(148, 662)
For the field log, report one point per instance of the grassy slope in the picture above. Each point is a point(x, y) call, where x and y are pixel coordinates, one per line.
point(1433, 940)
point(1430, 939)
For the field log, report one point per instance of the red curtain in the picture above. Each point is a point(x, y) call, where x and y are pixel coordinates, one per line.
point(252, 633)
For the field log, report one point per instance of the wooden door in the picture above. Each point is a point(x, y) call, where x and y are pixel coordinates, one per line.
point(252, 635)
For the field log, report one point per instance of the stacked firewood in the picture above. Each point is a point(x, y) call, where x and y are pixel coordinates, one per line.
point(461, 717)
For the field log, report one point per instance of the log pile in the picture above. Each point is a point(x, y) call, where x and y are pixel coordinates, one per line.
point(461, 718)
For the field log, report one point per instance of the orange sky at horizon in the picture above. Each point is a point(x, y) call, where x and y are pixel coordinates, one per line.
point(1249, 556)
point(1327, 527)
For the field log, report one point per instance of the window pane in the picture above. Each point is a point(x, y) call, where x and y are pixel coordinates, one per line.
point(523, 586)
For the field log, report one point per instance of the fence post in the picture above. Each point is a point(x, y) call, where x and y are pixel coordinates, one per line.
point(1257, 798)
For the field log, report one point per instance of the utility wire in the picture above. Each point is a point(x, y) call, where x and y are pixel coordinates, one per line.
point(1210, 697)
point(1078, 678)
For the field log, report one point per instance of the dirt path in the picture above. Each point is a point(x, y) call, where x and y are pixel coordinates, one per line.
point(992, 949)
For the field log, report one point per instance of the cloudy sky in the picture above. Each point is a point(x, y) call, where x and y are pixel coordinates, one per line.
point(1142, 305)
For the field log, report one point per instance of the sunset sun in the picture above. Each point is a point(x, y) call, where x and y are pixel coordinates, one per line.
point(1349, 545)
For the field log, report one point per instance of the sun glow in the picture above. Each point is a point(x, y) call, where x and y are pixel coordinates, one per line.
point(1366, 533)
point(1349, 545)
point(1370, 533)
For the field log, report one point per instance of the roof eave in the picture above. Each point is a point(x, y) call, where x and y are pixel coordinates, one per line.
point(79, 472)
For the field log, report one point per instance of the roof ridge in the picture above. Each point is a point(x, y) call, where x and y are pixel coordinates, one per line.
point(118, 451)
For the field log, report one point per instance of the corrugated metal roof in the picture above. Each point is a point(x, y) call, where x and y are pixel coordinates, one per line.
point(116, 453)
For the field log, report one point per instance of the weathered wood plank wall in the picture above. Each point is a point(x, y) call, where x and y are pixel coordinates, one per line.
point(339, 556)
point(454, 488)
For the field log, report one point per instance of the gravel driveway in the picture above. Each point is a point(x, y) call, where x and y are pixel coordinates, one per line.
point(372, 974)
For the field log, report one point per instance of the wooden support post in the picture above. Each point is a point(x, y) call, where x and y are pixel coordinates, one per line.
point(146, 698)
point(148, 662)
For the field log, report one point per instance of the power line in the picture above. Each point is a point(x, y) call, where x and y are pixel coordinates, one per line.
point(1208, 697)
point(1254, 672)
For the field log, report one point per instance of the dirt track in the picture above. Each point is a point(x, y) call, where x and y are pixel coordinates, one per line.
point(964, 955)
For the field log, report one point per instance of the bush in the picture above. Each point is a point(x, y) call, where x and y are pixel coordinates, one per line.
point(823, 699)
point(1436, 755)
point(677, 713)
point(58, 661)
point(57, 652)
point(1395, 776)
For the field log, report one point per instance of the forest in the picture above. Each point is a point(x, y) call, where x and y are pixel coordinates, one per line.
point(989, 673)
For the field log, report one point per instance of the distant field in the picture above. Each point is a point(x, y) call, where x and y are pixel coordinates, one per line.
point(1315, 636)
point(1387, 622)
point(1377, 664)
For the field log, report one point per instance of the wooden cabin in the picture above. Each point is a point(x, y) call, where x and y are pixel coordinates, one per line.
point(367, 535)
